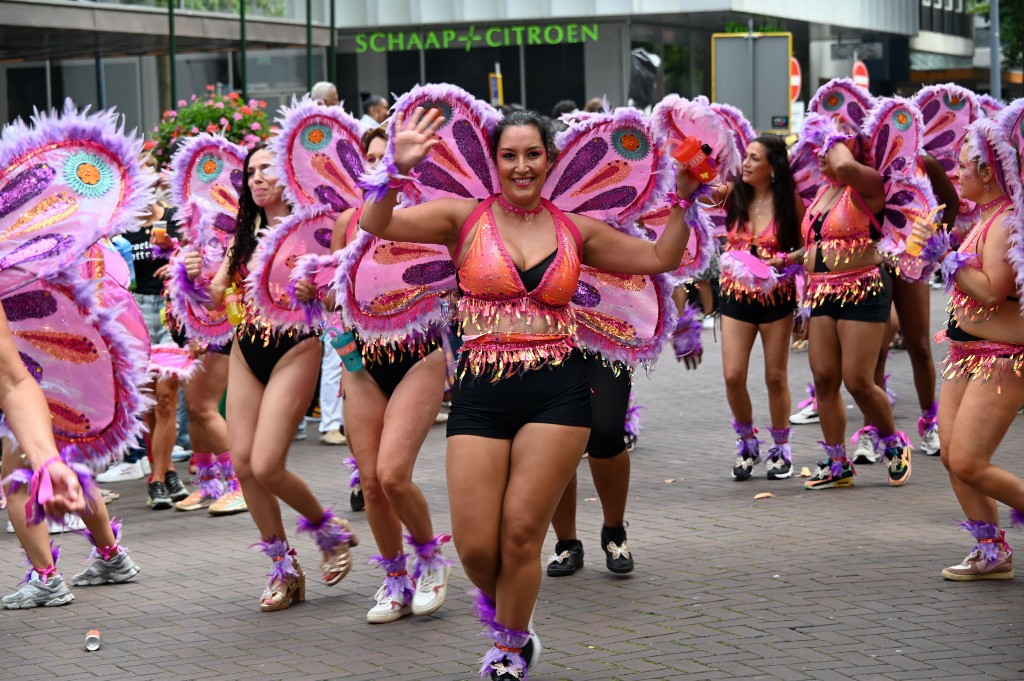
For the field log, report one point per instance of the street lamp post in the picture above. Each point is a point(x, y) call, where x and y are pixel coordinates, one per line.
point(995, 75)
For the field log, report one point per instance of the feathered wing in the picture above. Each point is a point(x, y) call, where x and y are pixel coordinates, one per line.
point(894, 131)
point(460, 165)
point(700, 247)
point(394, 293)
point(318, 156)
point(990, 105)
point(65, 181)
point(841, 97)
point(77, 338)
point(305, 232)
point(626, 318)
point(611, 167)
point(743, 132)
point(675, 117)
point(206, 181)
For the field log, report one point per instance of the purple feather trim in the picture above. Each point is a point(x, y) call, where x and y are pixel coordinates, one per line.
point(428, 555)
point(507, 638)
point(377, 182)
point(115, 527)
point(981, 530)
point(291, 120)
point(22, 477)
point(929, 419)
point(306, 268)
point(227, 472)
point(1016, 518)
point(813, 132)
point(832, 452)
point(803, 313)
point(897, 439)
point(783, 452)
point(210, 483)
point(686, 338)
point(743, 430)
point(780, 436)
point(353, 478)
point(283, 558)
point(186, 295)
point(951, 264)
point(811, 399)
point(327, 535)
point(190, 212)
point(632, 424)
point(397, 583)
point(935, 247)
point(833, 138)
point(889, 393)
point(46, 574)
point(700, 225)
point(104, 128)
point(484, 607)
point(864, 98)
point(871, 432)
point(181, 282)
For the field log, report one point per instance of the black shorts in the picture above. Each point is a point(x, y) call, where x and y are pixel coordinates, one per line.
point(262, 358)
point(873, 308)
point(558, 394)
point(609, 401)
point(179, 337)
point(388, 373)
point(755, 312)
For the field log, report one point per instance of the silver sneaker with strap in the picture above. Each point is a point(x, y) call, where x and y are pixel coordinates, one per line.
point(118, 569)
point(36, 593)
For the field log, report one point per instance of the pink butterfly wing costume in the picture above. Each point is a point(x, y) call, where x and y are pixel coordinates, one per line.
point(206, 179)
point(65, 182)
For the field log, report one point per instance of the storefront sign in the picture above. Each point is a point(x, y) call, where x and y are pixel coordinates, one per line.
point(491, 36)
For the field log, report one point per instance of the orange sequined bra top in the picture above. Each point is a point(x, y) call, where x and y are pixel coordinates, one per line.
point(508, 328)
point(842, 230)
point(961, 306)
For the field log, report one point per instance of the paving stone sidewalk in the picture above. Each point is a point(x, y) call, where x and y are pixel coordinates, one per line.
point(830, 585)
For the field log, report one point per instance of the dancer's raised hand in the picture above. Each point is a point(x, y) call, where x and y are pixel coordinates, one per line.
point(414, 137)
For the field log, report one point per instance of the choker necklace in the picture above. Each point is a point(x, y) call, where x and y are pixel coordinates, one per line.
point(513, 209)
point(994, 202)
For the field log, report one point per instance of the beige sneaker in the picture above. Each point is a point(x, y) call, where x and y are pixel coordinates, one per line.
point(974, 567)
point(334, 438)
point(195, 501)
point(230, 503)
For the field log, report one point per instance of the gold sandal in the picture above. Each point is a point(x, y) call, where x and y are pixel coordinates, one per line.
point(338, 565)
point(282, 594)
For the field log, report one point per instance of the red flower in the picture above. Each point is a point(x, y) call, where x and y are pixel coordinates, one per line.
point(246, 110)
point(210, 88)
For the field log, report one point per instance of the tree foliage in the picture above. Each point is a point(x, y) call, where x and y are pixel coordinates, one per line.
point(269, 8)
point(1011, 28)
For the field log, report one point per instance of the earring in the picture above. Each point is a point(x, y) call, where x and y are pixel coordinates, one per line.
point(773, 178)
point(987, 187)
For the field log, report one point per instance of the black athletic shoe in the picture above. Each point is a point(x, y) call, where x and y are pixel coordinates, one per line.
point(175, 490)
point(616, 550)
point(567, 558)
point(158, 497)
point(356, 500)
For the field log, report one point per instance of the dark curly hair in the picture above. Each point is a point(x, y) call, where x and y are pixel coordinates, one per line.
point(518, 118)
point(246, 224)
point(783, 188)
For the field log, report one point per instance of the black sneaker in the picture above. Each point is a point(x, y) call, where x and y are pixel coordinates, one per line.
point(618, 559)
point(158, 498)
point(567, 558)
point(356, 500)
point(175, 490)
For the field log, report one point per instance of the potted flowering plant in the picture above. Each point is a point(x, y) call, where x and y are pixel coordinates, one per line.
point(241, 122)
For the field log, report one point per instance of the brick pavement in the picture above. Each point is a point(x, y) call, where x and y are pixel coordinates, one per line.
point(839, 584)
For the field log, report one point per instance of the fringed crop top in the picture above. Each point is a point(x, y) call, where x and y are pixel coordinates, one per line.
point(841, 231)
point(765, 246)
point(961, 307)
point(507, 327)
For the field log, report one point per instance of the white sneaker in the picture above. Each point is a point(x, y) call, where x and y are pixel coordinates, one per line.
point(430, 591)
point(708, 322)
point(179, 454)
point(72, 523)
point(865, 452)
point(930, 442)
point(387, 609)
point(808, 414)
point(122, 472)
point(147, 467)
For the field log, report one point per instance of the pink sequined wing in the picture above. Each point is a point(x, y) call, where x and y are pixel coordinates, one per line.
point(66, 181)
point(990, 105)
point(699, 248)
point(460, 165)
point(206, 179)
point(305, 232)
point(318, 154)
point(907, 198)
point(185, 298)
point(1011, 120)
point(392, 291)
point(946, 111)
point(625, 318)
point(841, 98)
point(806, 176)
point(72, 338)
point(611, 167)
point(894, 130)
point(170, 361)
point(676, 117)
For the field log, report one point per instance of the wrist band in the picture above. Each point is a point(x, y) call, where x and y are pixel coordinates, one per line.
point(676, 200)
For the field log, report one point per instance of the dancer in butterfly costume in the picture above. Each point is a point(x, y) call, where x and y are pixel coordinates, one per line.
point(66, 181)
point(271, 379)
point(520, 404)
point(393, 395)
point(864, 211)
point(983, 372)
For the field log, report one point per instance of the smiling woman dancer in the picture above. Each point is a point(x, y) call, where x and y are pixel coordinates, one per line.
point(982, 372)
point(271, 379)
point(520, 413)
